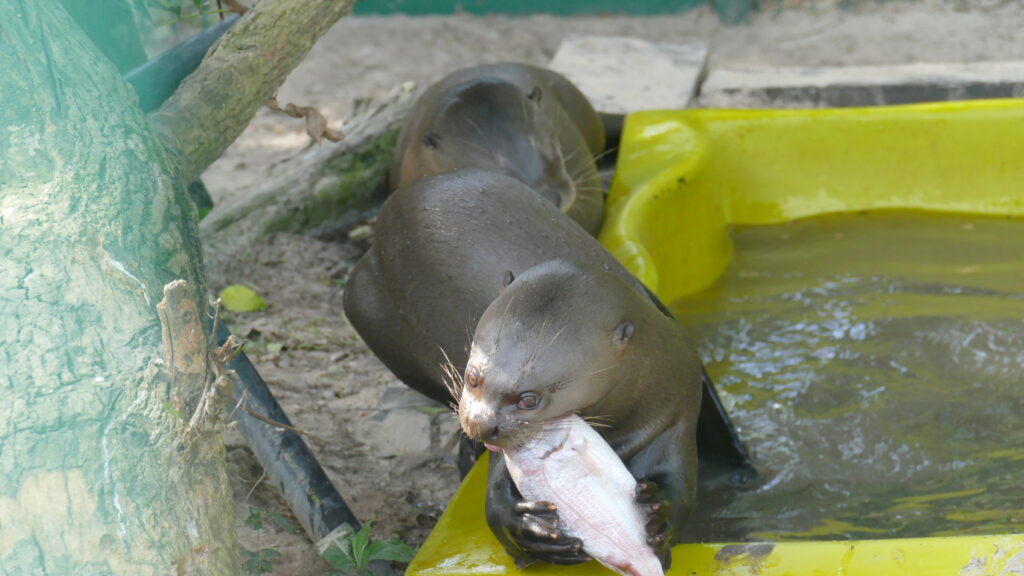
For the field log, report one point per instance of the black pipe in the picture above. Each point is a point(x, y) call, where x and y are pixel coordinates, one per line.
point(288, 462)
point(158, 78)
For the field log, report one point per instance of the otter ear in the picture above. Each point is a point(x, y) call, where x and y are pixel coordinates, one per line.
point(623, 332)
point(507, 279)
point(535, 95)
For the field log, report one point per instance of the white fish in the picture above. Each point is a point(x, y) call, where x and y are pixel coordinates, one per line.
point(567, 463)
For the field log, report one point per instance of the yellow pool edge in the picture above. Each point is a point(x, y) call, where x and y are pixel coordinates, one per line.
point(461, 544)
point(717, 168)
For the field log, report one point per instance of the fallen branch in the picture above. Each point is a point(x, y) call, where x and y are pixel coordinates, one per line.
point(214, 104)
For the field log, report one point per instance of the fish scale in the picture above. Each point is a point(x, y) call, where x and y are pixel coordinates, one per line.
point(567, 463)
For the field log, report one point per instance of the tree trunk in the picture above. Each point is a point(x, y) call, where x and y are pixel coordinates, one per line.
point(98, 474)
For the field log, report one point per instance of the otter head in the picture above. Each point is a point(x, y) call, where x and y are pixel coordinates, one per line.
point(552, 343)
point(494, 124)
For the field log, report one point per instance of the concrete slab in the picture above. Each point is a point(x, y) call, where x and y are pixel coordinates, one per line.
point(621, 74)
point(395, 432)
point(775, 87)
point(401, 396)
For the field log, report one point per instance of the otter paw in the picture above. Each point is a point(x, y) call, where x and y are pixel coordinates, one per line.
point(660, 533)
point(537, 534)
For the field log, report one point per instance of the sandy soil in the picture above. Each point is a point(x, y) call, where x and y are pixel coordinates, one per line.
point(388, 451)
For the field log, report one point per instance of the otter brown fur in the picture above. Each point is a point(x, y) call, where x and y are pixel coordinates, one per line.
point(526, 122)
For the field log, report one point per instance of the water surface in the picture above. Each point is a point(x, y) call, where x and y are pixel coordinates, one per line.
point(875, 366)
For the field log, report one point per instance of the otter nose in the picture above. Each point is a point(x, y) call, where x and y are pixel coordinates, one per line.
point(481, 430)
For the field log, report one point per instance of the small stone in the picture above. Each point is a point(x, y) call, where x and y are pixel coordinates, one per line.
point(819, 87)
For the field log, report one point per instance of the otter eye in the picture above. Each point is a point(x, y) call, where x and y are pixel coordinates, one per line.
point(528, 401)
point(473, 378)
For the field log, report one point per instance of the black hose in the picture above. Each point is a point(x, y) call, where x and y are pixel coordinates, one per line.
point(158, 78)
point(285, 457)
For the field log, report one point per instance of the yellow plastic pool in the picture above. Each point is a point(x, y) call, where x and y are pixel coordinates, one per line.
point(682, 178)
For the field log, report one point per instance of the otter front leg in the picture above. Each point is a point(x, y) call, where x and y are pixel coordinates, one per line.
point(527, 529)
point(657, 508)
point(667, 485)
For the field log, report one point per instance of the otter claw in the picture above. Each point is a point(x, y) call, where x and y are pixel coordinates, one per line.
point(540, 538)
point(534, 507)
point(659, 531)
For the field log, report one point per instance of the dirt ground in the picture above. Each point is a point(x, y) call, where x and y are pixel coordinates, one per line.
point(388, 451)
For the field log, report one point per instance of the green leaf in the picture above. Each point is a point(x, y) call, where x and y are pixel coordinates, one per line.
point(338, 558)
point(281, 522)
point(390, 550)
point(360, 543)
point(258, 562)
point(173, 411)
point(238, 298)
point(431, 410)
point(269, 554)
point(255, 519)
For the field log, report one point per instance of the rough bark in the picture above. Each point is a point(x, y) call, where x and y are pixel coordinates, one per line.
point(215, 104)
point(320, 192)
point(97, 473)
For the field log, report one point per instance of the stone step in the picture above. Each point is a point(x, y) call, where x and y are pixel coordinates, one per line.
point(789, 87)
point(621, 75)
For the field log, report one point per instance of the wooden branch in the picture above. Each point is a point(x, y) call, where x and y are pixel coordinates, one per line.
point(213, 106)
point(321, 191)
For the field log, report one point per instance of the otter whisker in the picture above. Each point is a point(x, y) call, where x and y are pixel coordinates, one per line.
point(597, 421)
point(563, 383)
point(537, 349)
point(483, 149)
point(566, 159)
point(602, 154)
point(557, 334)
point(475, 125)
point(501, 321)
point(453, 383)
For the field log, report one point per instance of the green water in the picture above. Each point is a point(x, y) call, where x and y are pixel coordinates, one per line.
point(875, 366)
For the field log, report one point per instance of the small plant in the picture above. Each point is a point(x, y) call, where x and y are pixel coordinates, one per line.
point(257, 562)
point(351, 553)
point(257, 516)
